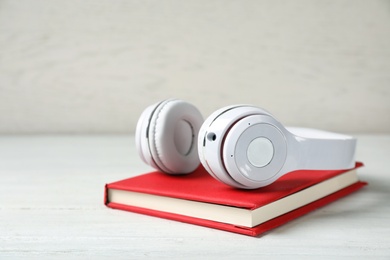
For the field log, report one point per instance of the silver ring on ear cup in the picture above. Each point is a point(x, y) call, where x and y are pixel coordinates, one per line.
point(167, 135)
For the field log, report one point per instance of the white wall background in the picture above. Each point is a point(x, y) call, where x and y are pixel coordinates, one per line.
point(93, 66)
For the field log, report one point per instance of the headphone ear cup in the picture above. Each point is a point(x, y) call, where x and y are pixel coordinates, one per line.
point(231, 147)
point(170, 136)
point(246, 147)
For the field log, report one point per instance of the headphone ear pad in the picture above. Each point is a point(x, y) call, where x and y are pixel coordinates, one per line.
point(172, 131)
point(142, 136)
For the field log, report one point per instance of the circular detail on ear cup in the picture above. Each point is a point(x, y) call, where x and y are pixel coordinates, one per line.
point(254, 170)
point(167, 140)
point(260, 152)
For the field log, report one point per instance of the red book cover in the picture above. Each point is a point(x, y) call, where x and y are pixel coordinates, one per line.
point(200, 186)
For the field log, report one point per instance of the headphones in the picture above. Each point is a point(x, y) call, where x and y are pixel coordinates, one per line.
point(243, 146)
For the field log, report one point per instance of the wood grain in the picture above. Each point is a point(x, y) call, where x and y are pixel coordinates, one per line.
point(51, 205)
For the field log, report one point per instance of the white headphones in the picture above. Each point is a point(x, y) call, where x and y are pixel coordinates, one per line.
point(242, 146)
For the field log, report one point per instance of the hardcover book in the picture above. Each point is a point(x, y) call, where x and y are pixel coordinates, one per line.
point(199, 199)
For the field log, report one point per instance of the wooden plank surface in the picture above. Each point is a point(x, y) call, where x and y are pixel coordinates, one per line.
point(51, 205)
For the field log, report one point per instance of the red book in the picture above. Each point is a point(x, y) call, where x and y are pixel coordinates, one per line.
point(199, 199)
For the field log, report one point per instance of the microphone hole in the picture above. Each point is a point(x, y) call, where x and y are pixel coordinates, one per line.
point(211, 136)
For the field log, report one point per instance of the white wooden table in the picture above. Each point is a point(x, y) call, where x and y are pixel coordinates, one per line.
point(51, 205)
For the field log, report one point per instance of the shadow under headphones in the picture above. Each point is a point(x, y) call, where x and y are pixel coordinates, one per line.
point(241, 145)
